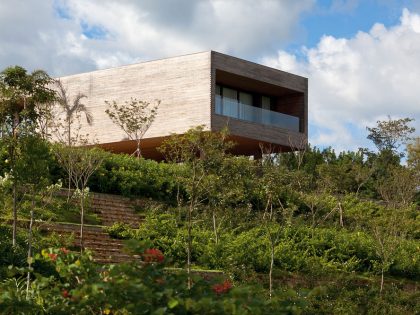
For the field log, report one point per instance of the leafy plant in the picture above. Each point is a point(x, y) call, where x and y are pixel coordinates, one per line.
point(120, 230)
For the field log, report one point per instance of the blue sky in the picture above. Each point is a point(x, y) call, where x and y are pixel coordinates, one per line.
point(346, 18)
point(361, 56)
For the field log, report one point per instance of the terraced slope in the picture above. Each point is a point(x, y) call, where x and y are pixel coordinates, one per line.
point(104, 248)
point(114, 208)
point(110, 209)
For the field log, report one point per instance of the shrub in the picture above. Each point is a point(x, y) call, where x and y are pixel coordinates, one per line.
point(120, 230)
point(82, 287)
point(9, 255)
point(132, 177)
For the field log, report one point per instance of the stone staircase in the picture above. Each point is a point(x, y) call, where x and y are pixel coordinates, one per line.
point(110, 209)
point(103, 247)
point(114, 208)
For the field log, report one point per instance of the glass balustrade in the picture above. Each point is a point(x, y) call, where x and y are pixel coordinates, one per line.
point(232, 108)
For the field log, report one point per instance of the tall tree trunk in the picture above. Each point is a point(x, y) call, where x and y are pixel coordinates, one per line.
point(340, 209)
point(14, 228)
point(382, 281)
point(82, 215)
point(271, 266)
point(69, 189)
point(28, 277)
point(189, 245)
point(216, 236)
point(138, 150)
point(69, 133)
point(12, 151)
point(69, 144)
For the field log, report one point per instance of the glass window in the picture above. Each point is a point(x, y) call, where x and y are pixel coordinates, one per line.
point(230, 93)
point(265, 105)
point(245, 98)
point(218, 100)
point(230, 102)
point(265, 102)
point(245, 106)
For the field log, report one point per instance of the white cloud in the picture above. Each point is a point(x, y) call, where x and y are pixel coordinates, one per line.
point(353, 82)
point(70, 36)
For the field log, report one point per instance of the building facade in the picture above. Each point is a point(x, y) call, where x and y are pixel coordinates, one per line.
point(259, 105)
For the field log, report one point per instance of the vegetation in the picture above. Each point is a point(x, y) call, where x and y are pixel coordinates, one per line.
point(134, 118)
point(71, 111)
point(307, 232)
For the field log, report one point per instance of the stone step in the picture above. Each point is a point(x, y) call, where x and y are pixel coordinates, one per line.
point(112, 207)
point(87, 229)
point(109, 209)
point(104, 251)
point(131, 225)
point(112, 210)
point(120, 213)
point(126, 220)
point(109, 242)
point(127, 202)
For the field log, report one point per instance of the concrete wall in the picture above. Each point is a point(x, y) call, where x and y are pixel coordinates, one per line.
point(182, 84)
point(185, 86)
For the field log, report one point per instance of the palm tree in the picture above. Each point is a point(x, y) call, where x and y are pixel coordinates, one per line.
point(71, 110)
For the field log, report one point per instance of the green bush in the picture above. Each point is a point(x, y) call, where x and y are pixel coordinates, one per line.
point(9, 255)
point(82, 287)
point(299, 248)
point(120, 230)
point(129, 176)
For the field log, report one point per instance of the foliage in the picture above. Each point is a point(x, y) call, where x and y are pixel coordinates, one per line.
point(11, 255)
point(120, 230)
point(20, 94)
point(134, 118)
point(201, 152)
point(72, 111)
point(413, 158)
point(339, 221)
point(298, 248)
point(131, 177)
point(21, 97)
point(388, 135)
point(80, 163)
point(81, 287)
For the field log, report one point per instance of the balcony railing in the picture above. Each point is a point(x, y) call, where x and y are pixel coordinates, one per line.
point(232, 108)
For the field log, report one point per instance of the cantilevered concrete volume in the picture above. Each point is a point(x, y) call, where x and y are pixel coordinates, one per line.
point(258, 104)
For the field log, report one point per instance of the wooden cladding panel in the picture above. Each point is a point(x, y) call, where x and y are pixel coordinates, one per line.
point(259, 72)
point(292, 105)
point(182, 84)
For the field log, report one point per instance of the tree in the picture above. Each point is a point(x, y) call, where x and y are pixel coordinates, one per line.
point(230, 184)
point(413, 158)
point(388, 135)
point(388, 232)
point(72, 111)
point(200, 151)
point(20, 93)
point(273, 181)
point(80, 163)
point(134, 118)
point(398, 190)
point(32, 171)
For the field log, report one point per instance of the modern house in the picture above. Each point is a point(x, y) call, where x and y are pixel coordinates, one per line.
point(258, 104)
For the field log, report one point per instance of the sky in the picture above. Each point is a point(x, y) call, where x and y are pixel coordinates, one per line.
point(362, 57)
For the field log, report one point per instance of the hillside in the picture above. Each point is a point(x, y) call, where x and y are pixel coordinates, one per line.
point(310, 232)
